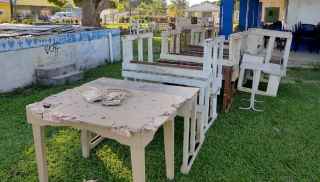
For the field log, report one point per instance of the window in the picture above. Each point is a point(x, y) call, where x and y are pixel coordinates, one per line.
point(271, 14)
point(1, 12)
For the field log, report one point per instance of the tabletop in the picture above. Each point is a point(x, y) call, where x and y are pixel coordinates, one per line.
point(138, 106)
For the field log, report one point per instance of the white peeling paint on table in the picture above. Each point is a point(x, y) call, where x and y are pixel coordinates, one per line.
point(20, 57)
point(121, 123)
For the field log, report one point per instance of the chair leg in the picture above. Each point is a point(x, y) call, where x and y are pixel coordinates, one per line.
point(85, 143)
point(169, 148)
point(241, 78)
point(255, 85)
point(138, 163)
point(273, 85)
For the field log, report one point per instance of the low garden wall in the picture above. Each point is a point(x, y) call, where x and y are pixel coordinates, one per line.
point(87, 49)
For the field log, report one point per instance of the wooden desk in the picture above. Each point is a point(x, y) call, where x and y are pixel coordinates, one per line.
point(133, 123)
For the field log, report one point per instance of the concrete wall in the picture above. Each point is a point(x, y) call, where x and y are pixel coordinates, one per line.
point(306, 11)
point(20, 57)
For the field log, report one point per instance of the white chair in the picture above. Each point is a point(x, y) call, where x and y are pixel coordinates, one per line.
point(254, 63)
point(275, 69)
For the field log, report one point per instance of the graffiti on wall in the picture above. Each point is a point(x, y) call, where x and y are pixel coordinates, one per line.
point(52, 50)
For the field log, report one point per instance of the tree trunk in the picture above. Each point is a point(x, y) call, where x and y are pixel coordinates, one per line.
point(91, 10)
point(90, 13)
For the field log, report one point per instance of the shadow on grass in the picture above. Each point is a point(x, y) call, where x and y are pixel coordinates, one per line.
point(109, 162)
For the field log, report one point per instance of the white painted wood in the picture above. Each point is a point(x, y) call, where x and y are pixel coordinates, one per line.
point(257, 49)
point(169, 148)
point(138, 163)
point(234, 53)
point(273, 85)
point(140, 49)
point(208, 79)
point(164, 44)
point(270, 49)
point(286, 55)
point(95, 141)
point(181, 58)
point(193, 124)
point(111, 47)
point(38, 137)
point(253, 63)
point(150, 50)
point(178, 43)
point(85, 143)
point(137, 134)
point(186, 141)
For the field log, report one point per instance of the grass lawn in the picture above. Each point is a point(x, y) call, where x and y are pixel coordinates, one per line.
point(280, 144)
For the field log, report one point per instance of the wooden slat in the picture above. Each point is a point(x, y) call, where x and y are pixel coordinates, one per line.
point(170, 64)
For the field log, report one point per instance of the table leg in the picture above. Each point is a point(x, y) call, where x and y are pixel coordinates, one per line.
point(85, 143)
point(169, 148)
point(138, 163)
point(186, 144)
point(38, 137)
point(201, 119)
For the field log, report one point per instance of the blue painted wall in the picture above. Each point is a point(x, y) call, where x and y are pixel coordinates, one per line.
point(13, 44)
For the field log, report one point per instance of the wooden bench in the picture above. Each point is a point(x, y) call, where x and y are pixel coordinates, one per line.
point(203, 73)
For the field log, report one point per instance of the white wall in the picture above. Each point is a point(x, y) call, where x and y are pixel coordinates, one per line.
point(306, 11)
point(18, 66)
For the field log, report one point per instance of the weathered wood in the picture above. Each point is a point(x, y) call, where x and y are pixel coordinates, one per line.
point(138, 163)
point(140, 49)
point(169, 148)
point(122, 124)
point(150, 50)
point(204, 73)
point(38, 136)
point(85, 143)
point(228, 90)
point(275, 69)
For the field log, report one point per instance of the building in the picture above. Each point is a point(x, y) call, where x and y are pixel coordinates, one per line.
point(273, 10)
point(34, 9)
point(255, 12)
point(306, 11)
point(40, 9)
point(5, 11)
point(207, 10)
point(290, 12)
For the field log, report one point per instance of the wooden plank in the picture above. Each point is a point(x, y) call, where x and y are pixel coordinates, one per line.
point(138, 163)
point(169, 148)
point(38, 136)
point(169, 64)
point(85, 143)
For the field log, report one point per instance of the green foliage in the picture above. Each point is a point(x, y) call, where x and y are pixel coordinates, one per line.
point(59, 3)
point(177, 7)
point(27, 21)
point(151, 8)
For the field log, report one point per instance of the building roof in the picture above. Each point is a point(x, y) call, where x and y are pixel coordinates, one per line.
point(203, 7)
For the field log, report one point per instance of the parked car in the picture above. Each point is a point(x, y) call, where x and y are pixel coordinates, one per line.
point(65, 17)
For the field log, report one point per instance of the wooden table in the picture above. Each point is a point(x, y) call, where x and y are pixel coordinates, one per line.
point(134, 123)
